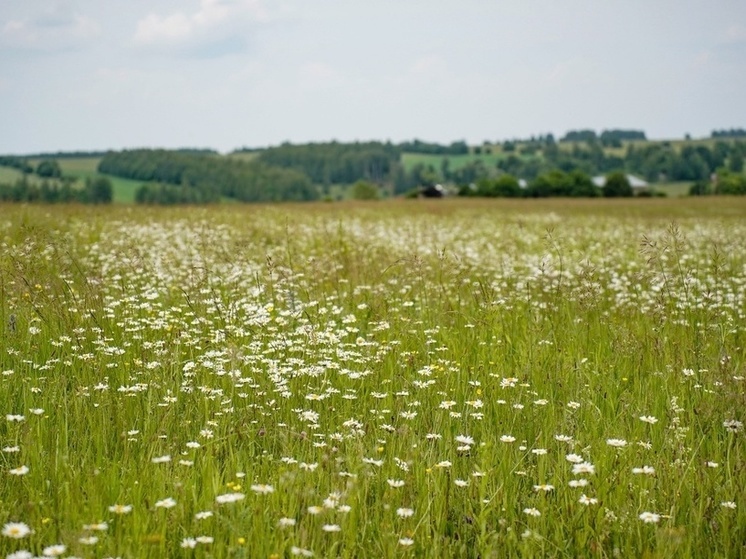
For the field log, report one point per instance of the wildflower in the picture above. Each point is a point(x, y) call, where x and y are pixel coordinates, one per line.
point(166, 503)
point(120, 509)
point(728, 504)
point(286, 522)
point(585, 500)
point(583, 468)
point(650, 517)
point(443, 464)
point(578, 482)
point(205, 539)
point(203, 514)
point(574, 458)
point(712, 464)
point(544, 487)
point(732, 425)
point(186, 463)
point(161, 459)
point(465, 440)
point(433, 436)
point(344, 508)
point(539, 451)
point(188, 543)
point(315, 509)
point(532, 512)
point(100, 527)
point(20, 471)
point(573, 405)
point(404, 513)
point(15, 418)
point(461, 482)
point(88, 540)
point(331, 528)
point(294, 550)
point(262, 489)
point(619, 443)
point(647, 470)
point(16, 530)
point(193, 444)
point(20, 554)
point(563, 438)
point(395, 482)
point(54, 550)
point(229, 498)
point(507, 439)
point(649, 419)
point(11, 449)
point(406, 542)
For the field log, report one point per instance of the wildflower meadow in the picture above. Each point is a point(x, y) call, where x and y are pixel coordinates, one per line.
point(395, 379)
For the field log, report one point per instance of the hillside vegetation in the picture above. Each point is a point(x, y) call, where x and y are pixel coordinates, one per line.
point(310, 171)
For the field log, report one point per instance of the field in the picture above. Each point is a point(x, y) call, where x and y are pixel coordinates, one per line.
point(455, 162)
point(451, 378)
point(81, 168)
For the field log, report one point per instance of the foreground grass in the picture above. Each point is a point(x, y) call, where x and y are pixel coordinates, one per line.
point(438, 379)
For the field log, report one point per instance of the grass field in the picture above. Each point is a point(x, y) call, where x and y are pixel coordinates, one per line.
point(673, 189)
point(81, 168)
point(409, 160)
point(456, 378)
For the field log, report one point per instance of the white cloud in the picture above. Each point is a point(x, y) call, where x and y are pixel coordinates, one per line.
point(702, 59)
point(735, 33)
point(154, 29)
point(213, 21)
point(54, 29)
point(430, 65)
point(317, 71)
point(319, 75)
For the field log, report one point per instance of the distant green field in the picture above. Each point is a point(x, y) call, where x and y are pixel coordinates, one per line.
point(81, 168)
point(9, 174)
point(409, 160)
point(673, 189)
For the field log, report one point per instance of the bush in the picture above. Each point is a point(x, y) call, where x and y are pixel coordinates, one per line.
point(364, 190)
point(617, 185)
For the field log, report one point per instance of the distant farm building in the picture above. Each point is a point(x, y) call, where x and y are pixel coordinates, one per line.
point(433, 191)
point(636, 183)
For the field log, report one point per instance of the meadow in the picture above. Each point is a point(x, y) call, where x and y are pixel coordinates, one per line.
point(452, 378)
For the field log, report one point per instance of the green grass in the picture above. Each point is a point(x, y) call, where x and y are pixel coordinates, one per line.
point(82, 168)
point(409, 160)
point(9, 174)
point(673, 189)
point(375, 374)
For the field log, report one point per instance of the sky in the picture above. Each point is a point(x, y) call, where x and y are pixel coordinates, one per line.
point(224, 74)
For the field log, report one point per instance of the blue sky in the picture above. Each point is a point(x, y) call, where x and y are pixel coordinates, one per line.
point(87, 74)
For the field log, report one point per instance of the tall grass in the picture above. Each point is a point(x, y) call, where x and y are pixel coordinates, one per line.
point(431, 380)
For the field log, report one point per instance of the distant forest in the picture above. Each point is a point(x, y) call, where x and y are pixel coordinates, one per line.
point(539, 166)
point(180, 177)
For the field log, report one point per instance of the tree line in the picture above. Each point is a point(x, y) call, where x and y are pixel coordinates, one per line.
point(97, 190)
point(729, 133)
point(176, 177)
point(555, 183)
point(610, 138)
